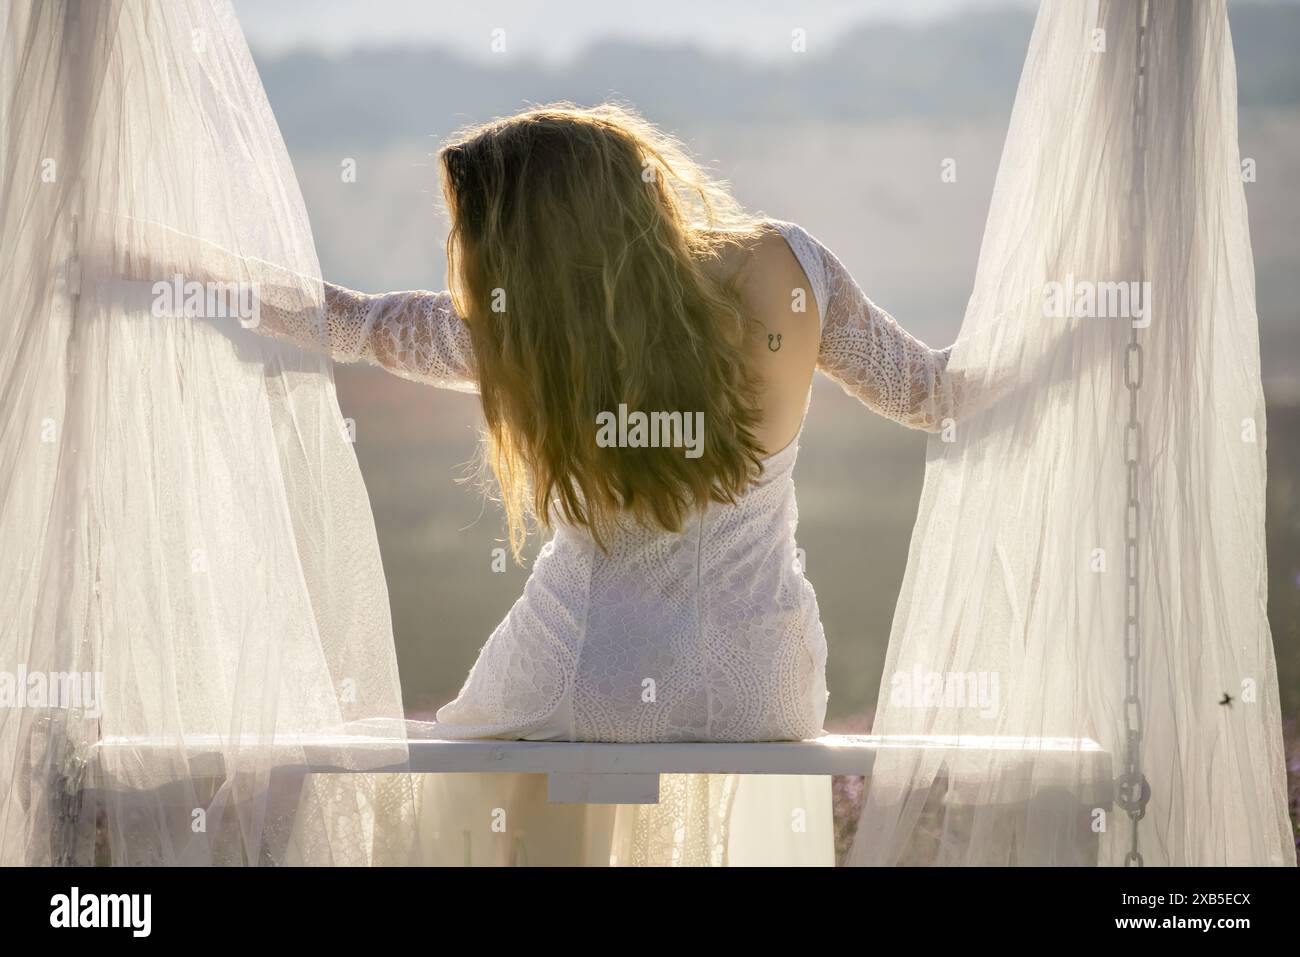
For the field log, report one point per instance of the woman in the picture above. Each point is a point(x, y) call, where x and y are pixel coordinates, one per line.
point(597, 273)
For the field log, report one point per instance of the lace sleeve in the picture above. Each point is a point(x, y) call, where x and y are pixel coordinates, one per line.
point(416, 335)
point(867, 352)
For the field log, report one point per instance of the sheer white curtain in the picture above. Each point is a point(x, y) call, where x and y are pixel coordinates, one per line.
point(1031, 568)
point(183, 521)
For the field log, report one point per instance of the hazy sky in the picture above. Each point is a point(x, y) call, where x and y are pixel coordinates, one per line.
point(557, 29)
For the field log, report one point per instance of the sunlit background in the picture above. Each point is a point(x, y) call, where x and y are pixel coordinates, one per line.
point(846, 138)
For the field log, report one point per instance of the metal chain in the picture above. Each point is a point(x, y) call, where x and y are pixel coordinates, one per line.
point(1134, 789)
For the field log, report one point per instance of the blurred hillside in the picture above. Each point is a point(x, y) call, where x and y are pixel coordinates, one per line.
point(960, 68)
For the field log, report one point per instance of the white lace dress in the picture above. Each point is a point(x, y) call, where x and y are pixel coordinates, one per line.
point(710, 634)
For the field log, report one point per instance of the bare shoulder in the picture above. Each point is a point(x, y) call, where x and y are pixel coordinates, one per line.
point(773, 287)
point(782, 330)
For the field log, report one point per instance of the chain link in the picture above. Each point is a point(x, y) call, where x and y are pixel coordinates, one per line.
point(1133, 787)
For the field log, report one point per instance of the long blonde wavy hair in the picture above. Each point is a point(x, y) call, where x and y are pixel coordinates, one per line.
point(578, 256)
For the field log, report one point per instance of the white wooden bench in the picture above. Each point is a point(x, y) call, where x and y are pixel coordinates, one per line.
point(576, 772)
point(589, 773)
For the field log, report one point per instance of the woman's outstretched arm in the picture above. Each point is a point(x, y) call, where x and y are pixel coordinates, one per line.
point(868, 353)
point(417, 335)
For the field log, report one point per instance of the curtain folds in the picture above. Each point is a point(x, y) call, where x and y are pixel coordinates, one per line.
point(190, 556)
point(1090, 538)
